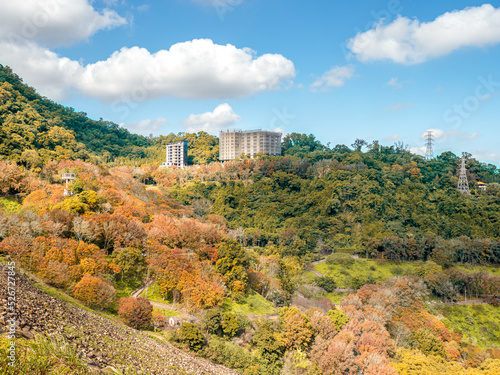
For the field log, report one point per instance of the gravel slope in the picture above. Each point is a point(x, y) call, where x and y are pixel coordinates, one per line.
point(99, 341)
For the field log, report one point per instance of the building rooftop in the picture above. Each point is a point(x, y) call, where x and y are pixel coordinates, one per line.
point(247, 131)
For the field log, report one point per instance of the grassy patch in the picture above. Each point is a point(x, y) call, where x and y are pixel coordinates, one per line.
point(253, 304)
point(379, 271)
point(479, 324)
point(335, 297)
point(308, 278)
point(125, 288)
point(152, 293)
point(9, 205)
point(322, 268)
point(488, 269)
point(167, 313)
point(364, 269)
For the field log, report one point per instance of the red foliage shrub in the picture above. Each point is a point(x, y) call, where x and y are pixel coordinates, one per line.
point(136, 312)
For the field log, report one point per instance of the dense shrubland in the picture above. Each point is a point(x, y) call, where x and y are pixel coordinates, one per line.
point(385, 203)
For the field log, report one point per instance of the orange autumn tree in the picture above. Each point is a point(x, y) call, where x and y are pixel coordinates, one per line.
point(180, 274)
point(186, 233)
point(94, 292)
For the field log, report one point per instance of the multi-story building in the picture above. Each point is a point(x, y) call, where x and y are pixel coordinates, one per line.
point(176, 155)
point(234, 143)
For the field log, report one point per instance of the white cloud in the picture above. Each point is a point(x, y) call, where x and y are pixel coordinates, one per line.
point(400, 106)
point(394, 82)
point(418, 150)
point(441, 134)
point(281, 130)
point(40, 67)
point(471, 136)
point(193, 69)
point(488, 156)
point(411, 42)
point(53, 22)
point(222, 117)
point(143, 8)
point(146, 127)
point(393, 138)
point(335, 77)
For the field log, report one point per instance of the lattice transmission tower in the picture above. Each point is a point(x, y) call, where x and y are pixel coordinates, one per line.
point(429, 153)
point(463, 182)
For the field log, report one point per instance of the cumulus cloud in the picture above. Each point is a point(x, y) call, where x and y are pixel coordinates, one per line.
point(335, 77)
point(53, 22)
point(52, 75)
point(222, 117)
point(194, 69)
point(418, 150)
point(147, 126)
point(409, 41)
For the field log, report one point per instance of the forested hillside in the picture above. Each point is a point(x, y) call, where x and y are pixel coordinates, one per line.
point(34, 130)
point(386, 201)
point(256, 309)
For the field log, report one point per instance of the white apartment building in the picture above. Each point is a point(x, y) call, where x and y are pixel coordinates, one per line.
point(176, 154)
point(234, 143)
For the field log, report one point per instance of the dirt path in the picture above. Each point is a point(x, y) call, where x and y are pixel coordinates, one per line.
point(313, 271)
point(136, 293)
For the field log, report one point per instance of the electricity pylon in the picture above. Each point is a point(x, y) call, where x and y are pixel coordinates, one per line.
point(463, 182)
point(429, 153)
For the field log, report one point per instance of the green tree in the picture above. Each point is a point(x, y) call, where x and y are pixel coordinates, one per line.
point(338, 318)
point(190, 335)
point(294, 143)
point(327, 283)
point(212, 322)
point(230, 324)
point(131, 262)
point(427, 343)
point(269, 343)
point(233, 264)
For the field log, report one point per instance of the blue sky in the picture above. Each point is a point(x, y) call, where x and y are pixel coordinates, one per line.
point(377, 70)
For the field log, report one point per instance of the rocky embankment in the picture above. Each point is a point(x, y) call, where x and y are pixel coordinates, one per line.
point(99, 341)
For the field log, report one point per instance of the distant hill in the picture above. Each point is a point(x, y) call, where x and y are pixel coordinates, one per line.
point(35, 129)
point(30, 121)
